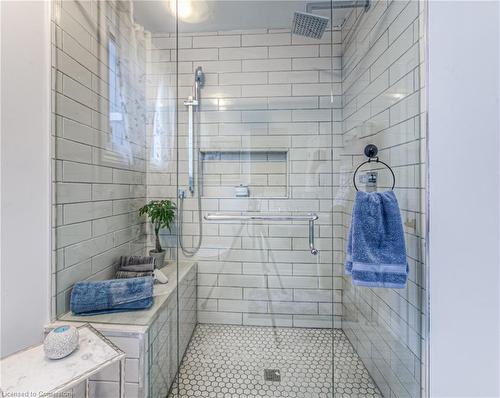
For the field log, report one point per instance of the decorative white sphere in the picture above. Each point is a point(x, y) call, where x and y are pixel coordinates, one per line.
point(61, 342)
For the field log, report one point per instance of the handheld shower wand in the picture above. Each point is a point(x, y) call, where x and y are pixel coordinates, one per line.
point(193, 103)
point(199, 82)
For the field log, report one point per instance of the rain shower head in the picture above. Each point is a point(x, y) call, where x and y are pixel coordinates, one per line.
point(309, 25)
point(312, 25)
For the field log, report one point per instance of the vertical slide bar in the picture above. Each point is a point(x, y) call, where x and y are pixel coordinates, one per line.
point(190, 105)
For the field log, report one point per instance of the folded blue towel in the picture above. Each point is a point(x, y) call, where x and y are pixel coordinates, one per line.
point(115, 295)
point(376, 253)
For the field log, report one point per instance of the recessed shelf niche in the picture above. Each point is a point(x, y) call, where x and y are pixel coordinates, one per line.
point(265, 172)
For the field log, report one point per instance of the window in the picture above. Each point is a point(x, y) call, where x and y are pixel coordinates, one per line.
point(117, 111)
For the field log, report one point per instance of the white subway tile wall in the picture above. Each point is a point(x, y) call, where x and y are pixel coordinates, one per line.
point(381, 93)
point(268, 110)
point(99, 141)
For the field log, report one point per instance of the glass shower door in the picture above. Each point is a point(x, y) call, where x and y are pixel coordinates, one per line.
point(258, 114)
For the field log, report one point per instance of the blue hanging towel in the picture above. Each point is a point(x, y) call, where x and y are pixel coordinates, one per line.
point(376, 253)
point(115, 295)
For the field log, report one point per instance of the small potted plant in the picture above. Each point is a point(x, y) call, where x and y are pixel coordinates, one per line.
point(162, 215)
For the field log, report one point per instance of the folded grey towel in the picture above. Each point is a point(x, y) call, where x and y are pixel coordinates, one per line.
point(137, 263)
point(132, 274)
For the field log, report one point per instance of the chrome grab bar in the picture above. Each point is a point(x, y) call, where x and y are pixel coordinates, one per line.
point(252, 217)
point(311, 218)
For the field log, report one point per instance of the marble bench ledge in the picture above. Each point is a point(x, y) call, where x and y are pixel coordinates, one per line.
point(147, 337)
point(133, 321)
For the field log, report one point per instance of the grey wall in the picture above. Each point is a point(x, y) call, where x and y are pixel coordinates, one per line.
point(25, 173)
point(464, 220)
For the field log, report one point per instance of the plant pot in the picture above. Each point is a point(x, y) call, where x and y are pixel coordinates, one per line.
point(159, 258)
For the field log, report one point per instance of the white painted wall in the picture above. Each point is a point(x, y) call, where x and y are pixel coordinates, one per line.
point(25, 173)
point(464, 198)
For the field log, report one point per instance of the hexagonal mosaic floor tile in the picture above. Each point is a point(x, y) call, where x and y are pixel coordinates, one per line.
point(229, 361)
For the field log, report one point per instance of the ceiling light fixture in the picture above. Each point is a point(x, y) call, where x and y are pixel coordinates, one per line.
point(182, 8)
point(191, 11)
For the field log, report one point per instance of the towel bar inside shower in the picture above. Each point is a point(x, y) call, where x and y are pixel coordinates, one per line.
point(311, 218)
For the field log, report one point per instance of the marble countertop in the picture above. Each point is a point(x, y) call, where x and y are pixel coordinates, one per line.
point(161, 293)
point(30, 373)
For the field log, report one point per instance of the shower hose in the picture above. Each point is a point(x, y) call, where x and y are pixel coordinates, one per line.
point(182, 196)
point(190, 252)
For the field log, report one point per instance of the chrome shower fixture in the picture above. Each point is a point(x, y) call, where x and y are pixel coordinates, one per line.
point(199, 76)
point(311, 25)
point(193, 105)
point(199, 82)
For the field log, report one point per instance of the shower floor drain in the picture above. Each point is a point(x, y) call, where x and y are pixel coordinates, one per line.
point(272, 375)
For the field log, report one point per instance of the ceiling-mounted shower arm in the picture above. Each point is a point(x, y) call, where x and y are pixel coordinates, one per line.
point(325, 5)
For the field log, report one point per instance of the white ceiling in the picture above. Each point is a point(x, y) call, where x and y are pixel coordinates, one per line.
point(219, 15)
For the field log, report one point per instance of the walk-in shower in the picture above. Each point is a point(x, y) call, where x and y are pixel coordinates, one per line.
point(253, 125)
point(193, 104)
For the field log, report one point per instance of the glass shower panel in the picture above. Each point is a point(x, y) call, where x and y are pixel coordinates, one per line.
point(114, 123)
point(258, 111)
point(382, 91)
point(253, 130)
point(99, 141)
